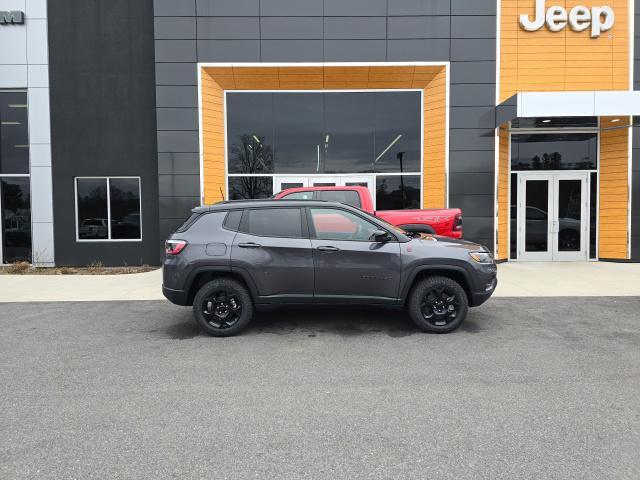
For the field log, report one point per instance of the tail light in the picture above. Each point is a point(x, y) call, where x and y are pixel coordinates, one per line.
point(457, 223)
point(174, 247)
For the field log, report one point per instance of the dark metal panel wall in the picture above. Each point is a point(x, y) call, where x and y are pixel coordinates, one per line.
point(101, 68)
point(460, 31)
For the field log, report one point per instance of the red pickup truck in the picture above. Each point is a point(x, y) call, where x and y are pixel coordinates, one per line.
point(441, 221)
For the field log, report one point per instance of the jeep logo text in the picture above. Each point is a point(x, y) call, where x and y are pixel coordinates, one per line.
point(600, 19)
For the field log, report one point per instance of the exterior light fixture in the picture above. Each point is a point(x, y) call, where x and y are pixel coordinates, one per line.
point(546, 121)
point(615, 120)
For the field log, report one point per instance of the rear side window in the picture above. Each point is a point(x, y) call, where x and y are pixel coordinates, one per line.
point(273, 222)
point(187, 224)
point(348, 197)
point(232, 222)
point(299, 196)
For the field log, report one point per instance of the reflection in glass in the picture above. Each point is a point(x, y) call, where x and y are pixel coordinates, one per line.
point(125, 208)
point(397, 132)
point(570, 151)
point(536, 223)
point(243, 188)
point(16, 220)
point(349, 127)
point(298, 121)
point(250, 136)
point(569, 215)
point(14, 133)
point(324, 132)
point(397, 192)
point(275, 222)
point(93, 220)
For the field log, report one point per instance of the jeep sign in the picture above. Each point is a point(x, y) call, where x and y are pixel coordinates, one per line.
point(580, 18)
point(13, 17)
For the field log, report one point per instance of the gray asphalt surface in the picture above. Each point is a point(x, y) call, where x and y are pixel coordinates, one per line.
point(527, 389)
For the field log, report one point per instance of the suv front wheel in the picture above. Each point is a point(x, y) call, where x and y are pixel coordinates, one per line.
point(223, 307)
point(438, 304)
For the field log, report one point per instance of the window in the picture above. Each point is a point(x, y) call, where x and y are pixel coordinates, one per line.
point(397, 192)
point(16, 219)
point(232, 221)
point(273, 222)
point(348, 197)
point(108, 208)
point(299, 196)
point(328, 133)
point(14, 133)
point(554, 151)
point(243, 188)
point(332, 224)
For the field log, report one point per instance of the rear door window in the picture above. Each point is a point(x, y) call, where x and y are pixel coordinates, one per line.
point(348, 197)
point(273, 222)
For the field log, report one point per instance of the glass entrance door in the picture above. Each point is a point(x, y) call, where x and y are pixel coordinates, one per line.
point(552, 216)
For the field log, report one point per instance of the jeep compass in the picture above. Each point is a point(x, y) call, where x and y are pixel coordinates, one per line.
point(232, 257)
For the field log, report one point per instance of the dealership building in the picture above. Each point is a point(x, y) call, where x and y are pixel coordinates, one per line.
point(119, 117)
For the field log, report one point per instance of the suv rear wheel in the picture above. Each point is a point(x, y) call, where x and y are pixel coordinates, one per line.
point(222, 307)
point(438, 305)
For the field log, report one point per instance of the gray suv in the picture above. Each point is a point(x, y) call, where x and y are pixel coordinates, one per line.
point(232, 257)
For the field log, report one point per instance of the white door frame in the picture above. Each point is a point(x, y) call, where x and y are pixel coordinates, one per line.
point(340, 180)
point(553, 253)
point(583, 253)
point(278, 180)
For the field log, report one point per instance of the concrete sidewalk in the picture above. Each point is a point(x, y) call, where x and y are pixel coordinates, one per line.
point(586, 279)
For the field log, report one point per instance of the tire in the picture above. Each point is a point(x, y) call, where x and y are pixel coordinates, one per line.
point(223, 307)
point(434, 295)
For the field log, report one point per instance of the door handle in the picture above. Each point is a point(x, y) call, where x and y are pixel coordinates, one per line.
point(249, 245)
point(328, 248)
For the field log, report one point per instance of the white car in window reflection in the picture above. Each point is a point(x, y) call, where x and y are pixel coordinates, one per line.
point(128, 227)
point(537, 228)
point(93, 228)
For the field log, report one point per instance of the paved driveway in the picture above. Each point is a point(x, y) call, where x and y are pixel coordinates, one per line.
point(528, 388)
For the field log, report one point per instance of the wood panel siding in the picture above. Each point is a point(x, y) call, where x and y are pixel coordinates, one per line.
point(614, 188)
point(543, 61)
point(434, 183)
point(431, 79)
point(502, 252)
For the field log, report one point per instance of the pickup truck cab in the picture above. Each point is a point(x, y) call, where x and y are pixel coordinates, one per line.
point(443, 221)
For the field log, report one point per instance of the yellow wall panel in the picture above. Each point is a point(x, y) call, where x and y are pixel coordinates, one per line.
point(564, 60)
point(614, 191)
point(431, 79)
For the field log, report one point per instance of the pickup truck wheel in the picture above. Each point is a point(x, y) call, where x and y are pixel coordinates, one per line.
point(222, 307)
point(438, 305)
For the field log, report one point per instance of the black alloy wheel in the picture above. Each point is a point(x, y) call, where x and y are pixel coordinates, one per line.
point(223, 307)
point(438, 304)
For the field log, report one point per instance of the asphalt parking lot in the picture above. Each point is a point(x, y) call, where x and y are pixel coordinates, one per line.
point(528, 388)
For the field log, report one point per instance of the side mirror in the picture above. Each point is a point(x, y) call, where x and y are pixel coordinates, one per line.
point(380, 236)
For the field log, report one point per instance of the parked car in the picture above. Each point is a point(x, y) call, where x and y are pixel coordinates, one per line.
point(438, 221)
point(231, 257)
point(93, 228)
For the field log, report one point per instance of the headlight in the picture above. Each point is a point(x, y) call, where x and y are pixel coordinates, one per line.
point(481, 256)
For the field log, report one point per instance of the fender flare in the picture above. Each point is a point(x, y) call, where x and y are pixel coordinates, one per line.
point(435, 266)
point(253, 291)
